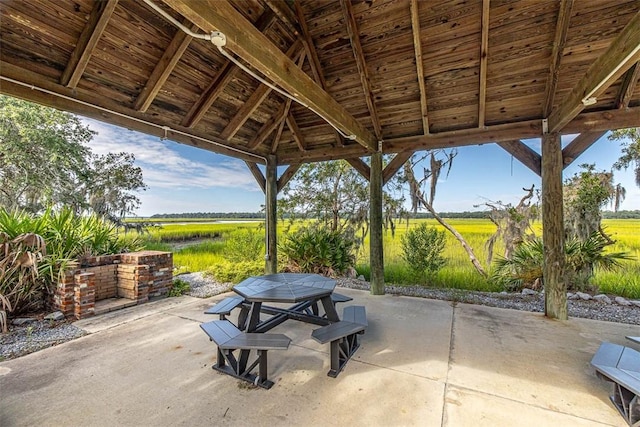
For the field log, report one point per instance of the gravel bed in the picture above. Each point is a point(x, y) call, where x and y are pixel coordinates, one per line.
point(40, 334)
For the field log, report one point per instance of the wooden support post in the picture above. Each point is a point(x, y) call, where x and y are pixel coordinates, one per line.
point(271, 218)
point(555, 286)
point(376, 258)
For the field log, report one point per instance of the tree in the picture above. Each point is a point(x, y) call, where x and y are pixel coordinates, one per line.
point(45, 161)
point(630, 150)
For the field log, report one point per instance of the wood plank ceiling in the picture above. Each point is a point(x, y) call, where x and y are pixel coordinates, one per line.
point(400, 75)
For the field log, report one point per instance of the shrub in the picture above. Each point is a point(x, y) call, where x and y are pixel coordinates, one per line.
point(422, 248)
point(524, 268)
point(179, 288)
point(318, 250)
point(244, 245)
point(235, 272)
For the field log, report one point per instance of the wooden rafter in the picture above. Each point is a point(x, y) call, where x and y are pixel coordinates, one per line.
point(628, 85)
point(562, 28)
point(254, 101)
point(287, 175)
point(578, 146)
point(524, 154)
point(98, 20)
point(257, 174)
point(309, 46)
point(286, 15)
point(622, 53)
point(417, 46)
point(280, 129)
point(365, 81)
point(269, 126)
point(83, 101)
point(163, 69)
point(298, 137)
point(362, 168)
point(394, 165)
point(252, 46)
point(484, 54)
point(227, 72)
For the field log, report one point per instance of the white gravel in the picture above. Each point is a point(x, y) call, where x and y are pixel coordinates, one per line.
point(40, 334)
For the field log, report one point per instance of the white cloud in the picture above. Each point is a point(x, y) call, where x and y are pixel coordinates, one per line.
point(164, 167)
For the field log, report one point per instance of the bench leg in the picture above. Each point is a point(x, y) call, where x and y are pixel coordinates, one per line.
point(627, 403)
point(341, 351)
point(228, 364)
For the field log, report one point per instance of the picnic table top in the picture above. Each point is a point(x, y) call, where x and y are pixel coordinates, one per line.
point(285, 287)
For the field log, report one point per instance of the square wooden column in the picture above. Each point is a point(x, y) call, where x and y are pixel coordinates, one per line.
point(376, 258)
point(555, 286)
point(271, 218)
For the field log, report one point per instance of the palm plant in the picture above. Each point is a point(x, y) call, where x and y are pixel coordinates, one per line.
point(525, 267)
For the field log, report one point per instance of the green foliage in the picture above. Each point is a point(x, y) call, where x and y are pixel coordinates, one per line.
point(179, 288)
point(66, 237)
point(318, 250)
point(525, 268)
point(422, 248)
point(235, 272)
point(630, 150)
point(244, 245)
point(45, 161)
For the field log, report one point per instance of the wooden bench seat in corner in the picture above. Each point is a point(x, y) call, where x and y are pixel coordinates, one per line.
point(621, 366)
point(228, 338)
point(224, 307)
point(343, 336)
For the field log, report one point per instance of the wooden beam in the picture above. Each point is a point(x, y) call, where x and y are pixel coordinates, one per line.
point(578, 146)
point(360, 166)
point(256, 49)
point(622, 53)
point(254, 101)
point(287, 175)
point(227, 72)
point(257, 174)
point(484, 54)
point(417, 47)
point(555, 287)
point(361, 63)
point(163, 69)
point(270, 126)
point(283, 122)
point(394, 165)
point(91, 33)
point(314, 61)
point(271, 217)
point(295, 131)
point(562, 28)
point(84, 102)
point(628, 86)
point(376, 250)
point(524, 154)
point(287, 16)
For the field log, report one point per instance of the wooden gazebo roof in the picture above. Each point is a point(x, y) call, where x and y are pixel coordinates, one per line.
point(400, 75)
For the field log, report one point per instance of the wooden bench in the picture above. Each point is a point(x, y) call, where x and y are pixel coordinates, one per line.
point(343, 336)
point(621, 366)
point(228, 338)
point(224, 307)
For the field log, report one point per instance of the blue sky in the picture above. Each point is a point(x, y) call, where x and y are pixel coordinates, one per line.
point(185, 179)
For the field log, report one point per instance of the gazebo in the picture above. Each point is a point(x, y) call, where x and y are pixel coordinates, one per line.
point(281, 83)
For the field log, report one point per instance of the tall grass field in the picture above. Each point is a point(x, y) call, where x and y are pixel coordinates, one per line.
point(198, 246)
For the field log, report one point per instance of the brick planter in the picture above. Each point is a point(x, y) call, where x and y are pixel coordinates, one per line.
point(135, 276)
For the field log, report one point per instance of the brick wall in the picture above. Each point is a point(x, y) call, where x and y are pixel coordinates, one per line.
point(135, 276)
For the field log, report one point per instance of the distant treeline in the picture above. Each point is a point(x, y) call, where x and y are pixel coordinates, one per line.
point(421, 215)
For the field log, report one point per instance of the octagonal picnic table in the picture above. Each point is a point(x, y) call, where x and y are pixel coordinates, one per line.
point(305, 290)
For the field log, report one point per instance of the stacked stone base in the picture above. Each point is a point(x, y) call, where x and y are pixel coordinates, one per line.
point(135, 276)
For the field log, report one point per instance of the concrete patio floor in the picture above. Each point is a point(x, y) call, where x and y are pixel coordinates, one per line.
point(421, 362)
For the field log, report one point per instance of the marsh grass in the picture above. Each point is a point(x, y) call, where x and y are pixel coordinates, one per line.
point(457, 273)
